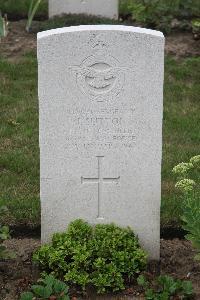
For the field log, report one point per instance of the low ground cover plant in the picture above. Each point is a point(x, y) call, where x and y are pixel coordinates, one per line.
point(47, 288)
point(105, 256)
point(165, 287)
point(188, 175)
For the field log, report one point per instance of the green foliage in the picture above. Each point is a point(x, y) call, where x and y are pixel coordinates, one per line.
point(34, 5)
point(19, 8)
point(104, 256)
point(3, 26)
point(159, 13)
point(19, 153)
point(190, 190)
point(48, 287)
point(165, 287)
point(196, 28)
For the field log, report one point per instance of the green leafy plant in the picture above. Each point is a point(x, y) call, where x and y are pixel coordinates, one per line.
point(166, 287)
point(104, 256)
point(34, 5)
point(47, 288)
point(3, 25)
point(196, 28)
point(159, 14)
point(188, 184)
point(154, 13)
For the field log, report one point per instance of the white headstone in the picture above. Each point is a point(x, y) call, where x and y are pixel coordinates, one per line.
point(105, 8)
point(101, 104)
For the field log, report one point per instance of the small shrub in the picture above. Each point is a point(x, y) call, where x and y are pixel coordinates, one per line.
point(104, 256)
point(49, 288)
point(166, 287)
point(188, 184)
point(160, 13)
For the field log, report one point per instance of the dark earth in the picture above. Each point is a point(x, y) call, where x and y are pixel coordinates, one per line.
point(177, 256)
point(177, 259)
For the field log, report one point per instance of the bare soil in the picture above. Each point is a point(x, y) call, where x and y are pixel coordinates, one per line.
point(18, 42)
point(177, 259)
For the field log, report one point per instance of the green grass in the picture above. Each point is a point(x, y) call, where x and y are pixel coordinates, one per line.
point(181, 127)
point(19, 8)
point(19, 153)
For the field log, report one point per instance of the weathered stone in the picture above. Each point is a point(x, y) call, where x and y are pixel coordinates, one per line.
point(101, 102)
point(103, 8)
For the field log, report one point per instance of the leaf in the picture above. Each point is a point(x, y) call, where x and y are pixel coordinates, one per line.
point(43, 292)
point(60, 287)
point(149, 294)
point(141, 280)
point(49, 280)
point(65, 297)
point(187, 287)
point(27, 296)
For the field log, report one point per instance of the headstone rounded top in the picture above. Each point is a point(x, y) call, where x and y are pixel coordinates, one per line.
point(101, 110)
point(80, 28)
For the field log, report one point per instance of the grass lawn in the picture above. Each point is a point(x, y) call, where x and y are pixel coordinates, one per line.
point(19, 152)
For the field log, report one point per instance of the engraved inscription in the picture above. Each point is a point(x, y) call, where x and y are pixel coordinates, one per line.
point(107, 125)
point(100, 180)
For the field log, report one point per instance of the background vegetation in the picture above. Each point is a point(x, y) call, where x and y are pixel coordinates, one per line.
point(157, 14)
point(18, 9)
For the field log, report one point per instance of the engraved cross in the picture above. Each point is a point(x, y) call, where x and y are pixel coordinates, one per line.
point(99, 180)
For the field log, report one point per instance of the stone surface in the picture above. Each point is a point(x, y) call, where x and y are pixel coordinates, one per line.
point(101, 103)
point(105, 8)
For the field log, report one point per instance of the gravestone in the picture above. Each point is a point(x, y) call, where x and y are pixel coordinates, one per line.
point(101, 104)
point(105, 8)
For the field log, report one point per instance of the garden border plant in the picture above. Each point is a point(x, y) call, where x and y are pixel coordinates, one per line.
point(165, 287)
point(47, 288)
point(188, 175)
point(105, 256)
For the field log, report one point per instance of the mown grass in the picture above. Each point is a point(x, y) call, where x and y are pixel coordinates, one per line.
point(19, 153)
point(181, 127)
